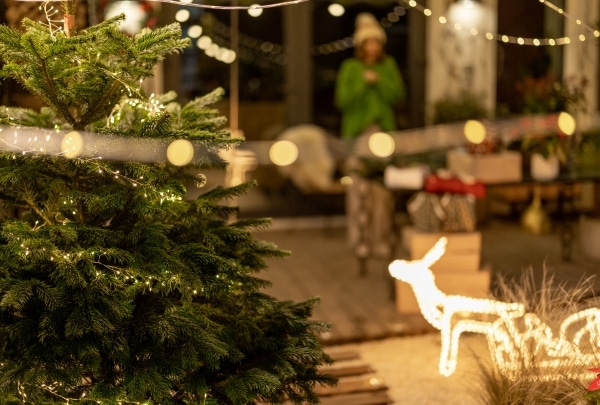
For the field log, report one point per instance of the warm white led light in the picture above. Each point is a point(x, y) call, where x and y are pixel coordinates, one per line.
point(203, 42)
point(506, 325)
point(180, 152)
point(283, 153)
point(194, 31)
point(336, 9)
point(72, 144)
point(381, 144)
point(182, 15)
point(475, 131)
point(255, 10)
point(212, 50)
point(566, 123)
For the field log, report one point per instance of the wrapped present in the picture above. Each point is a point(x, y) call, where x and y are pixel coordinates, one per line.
point(407, 178)
point(426, 212)
point(460, 213)
point(455, 185)
point(449, 212)
point(503, 167)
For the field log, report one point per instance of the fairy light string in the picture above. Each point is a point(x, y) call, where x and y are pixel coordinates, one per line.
point(276, 52)
point(393, 17)
point(24, 141)
point(442, 19)
point(188, 3)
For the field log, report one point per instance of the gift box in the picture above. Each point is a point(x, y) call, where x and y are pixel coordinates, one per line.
point(431, 212)
point(502, 167)
point(405, 178)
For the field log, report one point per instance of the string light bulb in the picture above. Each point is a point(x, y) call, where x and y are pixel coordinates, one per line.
point(336, 9)
point(255, 10)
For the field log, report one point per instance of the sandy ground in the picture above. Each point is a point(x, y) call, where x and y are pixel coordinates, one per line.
point(409, 367)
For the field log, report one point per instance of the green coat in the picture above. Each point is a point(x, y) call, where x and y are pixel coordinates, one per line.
point(363, 104)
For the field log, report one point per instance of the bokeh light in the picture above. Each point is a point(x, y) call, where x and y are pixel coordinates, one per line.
point(180, 152)
point(182, 15)
point(336, 9)
point(382, 144)
point(475, 131)
point(283, 153)
point(194, 31)
point(72, 144)
point(566, 123)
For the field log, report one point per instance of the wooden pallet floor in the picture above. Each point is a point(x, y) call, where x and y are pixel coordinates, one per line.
point(358, 382)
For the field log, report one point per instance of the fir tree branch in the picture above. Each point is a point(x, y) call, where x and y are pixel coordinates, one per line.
point(54, 98)
point(91, 114)
point(30, 199)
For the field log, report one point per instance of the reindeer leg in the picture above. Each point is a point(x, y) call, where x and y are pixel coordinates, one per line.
point(448, 350)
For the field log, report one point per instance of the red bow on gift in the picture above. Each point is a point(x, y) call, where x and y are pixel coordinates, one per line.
point(440, 185)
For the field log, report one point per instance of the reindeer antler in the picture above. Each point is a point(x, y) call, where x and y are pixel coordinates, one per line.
point(436, 251)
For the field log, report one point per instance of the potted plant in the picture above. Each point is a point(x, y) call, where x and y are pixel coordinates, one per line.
point(587, 160)
point(545, 154)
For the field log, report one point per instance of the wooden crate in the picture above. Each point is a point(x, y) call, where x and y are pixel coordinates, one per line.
point(463, 251)
point(503, 167)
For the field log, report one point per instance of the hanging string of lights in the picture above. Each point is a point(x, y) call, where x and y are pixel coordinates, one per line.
point(568, 16)
point(251, 50)
point(253, 7)
point(393, 17)
point(190, 3)
point(510, 38)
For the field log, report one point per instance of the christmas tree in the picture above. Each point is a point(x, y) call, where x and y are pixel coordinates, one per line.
point(115, 288)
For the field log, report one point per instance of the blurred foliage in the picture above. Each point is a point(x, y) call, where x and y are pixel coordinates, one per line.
point(588, 151)
point(462, 107)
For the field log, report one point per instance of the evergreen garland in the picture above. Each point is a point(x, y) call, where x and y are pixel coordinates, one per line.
point(114, 288)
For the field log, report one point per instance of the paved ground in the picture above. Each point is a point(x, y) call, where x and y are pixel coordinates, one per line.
point(362, 308)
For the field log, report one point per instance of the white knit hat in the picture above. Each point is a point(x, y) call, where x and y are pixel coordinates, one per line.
point(366, 26)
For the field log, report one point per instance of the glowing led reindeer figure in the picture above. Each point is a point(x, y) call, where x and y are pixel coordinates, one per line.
point(451, 314)
point(507, 327)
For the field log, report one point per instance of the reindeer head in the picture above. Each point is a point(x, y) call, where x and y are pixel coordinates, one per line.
point(413, 271)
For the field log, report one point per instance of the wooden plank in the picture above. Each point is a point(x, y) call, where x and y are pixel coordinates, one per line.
point(347, 368)
point(342, 354)
point(361, 398)
point(347, 385)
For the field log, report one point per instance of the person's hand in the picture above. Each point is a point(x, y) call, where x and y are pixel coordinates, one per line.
point(370, 76)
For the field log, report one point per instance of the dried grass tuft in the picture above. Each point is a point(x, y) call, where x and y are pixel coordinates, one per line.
point(552, 301)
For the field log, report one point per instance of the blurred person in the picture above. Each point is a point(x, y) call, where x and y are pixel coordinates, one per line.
point(368, 87)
